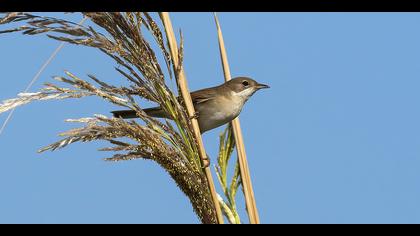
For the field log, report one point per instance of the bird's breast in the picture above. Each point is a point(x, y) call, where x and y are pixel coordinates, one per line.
point(218, 112)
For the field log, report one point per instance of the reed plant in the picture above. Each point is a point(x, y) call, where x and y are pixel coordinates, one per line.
point(175, 145)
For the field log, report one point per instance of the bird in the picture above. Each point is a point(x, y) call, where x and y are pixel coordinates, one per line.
point(214, 106)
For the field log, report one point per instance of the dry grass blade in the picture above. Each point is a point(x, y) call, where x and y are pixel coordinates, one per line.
point(243, 164)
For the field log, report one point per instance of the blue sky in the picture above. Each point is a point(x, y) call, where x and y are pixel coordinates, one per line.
point(336, 139)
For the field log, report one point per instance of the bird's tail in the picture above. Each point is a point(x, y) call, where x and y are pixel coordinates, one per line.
point(129, 114)
point(125, 114)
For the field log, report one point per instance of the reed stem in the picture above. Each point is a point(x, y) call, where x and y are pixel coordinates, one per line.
point(240, 147)
point(181, 79)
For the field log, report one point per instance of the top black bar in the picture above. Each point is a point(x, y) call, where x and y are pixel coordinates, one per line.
point(213, 5)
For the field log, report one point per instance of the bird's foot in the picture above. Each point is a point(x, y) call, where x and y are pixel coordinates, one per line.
point(194, 116)
point(205, 162)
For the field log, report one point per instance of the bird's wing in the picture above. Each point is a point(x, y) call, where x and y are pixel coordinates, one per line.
point(203, 95)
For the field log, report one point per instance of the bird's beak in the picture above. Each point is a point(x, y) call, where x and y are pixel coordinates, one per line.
point(262, 86)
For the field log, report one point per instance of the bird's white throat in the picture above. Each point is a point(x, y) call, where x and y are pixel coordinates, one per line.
point(243, 95)
point(238, 99)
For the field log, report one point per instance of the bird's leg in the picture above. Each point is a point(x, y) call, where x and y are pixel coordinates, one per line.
point(195, 115)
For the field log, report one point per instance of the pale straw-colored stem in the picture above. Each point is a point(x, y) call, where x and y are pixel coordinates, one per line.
point(243, 163)
point(190, 108)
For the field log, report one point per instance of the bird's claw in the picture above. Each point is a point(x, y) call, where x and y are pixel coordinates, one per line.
point(206, 162)
point(194, 116)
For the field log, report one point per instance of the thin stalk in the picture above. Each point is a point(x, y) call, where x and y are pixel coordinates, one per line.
point(181, 79)
point(35, 78)
point(240, 147)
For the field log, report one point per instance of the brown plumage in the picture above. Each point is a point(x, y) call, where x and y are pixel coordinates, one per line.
point(215, 106)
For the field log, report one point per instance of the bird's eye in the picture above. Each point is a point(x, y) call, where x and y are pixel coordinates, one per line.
point(245, 83)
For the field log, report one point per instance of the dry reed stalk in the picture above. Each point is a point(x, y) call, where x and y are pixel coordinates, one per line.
point(243, 163)
point(181, 80)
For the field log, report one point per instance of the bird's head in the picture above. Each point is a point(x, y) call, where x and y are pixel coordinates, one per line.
point(244, 87)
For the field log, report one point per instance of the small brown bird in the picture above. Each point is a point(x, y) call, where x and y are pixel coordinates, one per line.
point(214, 106)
